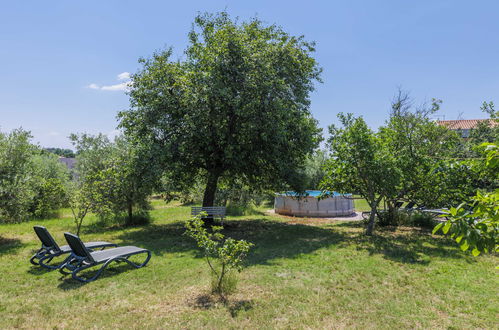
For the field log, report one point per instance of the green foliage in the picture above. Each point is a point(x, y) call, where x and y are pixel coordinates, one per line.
point(68, 153)
point(419, 147)
point(360, 164)
point(49, 185)
point(314, 170)
point(486, 131)
point(395, 218)
point(474, 224)
point(120, 174)
point(81, 200)
point(237, 106)
point(228, 253)
point(423, 220)
point(16, 179)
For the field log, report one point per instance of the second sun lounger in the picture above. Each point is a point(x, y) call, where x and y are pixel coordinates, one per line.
point(50, 249)
point(84, 258)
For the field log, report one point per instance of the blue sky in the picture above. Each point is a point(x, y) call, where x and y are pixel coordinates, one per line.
point(60, 60)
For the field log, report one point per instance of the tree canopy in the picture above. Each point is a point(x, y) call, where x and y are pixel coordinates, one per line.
point(359, 163)
point(235, 107)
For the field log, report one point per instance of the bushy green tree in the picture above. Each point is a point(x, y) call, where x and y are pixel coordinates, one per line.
point(49, 184)
point(237, 105)
point(360, 164)
point(421, 149)
point(120, 175)
point(314, 170)
point(31, 181)
point(16, 177)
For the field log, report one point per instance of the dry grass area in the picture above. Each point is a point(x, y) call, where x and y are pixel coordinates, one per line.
point(301, 274)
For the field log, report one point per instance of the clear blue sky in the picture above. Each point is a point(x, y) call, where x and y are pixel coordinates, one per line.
point(60, 60)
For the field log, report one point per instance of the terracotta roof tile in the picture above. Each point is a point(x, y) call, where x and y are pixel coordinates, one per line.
point(464, 123)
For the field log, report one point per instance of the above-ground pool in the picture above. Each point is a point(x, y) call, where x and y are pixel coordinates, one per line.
point(290, 203)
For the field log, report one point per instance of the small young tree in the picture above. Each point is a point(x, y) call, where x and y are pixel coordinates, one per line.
point(360, 164)
point(223, 255)
point(79, 203)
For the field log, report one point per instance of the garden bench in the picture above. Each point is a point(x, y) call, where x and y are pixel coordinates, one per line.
point(211, 211)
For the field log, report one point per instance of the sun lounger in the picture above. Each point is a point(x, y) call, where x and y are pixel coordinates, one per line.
point(85, 259)
point(50, 249)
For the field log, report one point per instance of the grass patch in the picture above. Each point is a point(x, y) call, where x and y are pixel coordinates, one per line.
point(299, 275)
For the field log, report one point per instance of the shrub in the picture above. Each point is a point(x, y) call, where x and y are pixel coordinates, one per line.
point(223, 255)
point(422, 220)
point(16, 179)
point(393, 218)
point(404, 218)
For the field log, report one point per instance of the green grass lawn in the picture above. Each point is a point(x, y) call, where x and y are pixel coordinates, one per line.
point(301, 274)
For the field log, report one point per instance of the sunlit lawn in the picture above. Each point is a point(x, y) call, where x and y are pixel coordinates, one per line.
point(299, 275)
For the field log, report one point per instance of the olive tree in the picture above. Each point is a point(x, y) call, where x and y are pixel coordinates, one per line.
point(117, 176)
point(16, 178)
point(31, 180)
point(236, 106)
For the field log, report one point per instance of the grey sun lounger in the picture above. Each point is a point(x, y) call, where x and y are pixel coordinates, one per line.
point(50, 249)
point(83, 258)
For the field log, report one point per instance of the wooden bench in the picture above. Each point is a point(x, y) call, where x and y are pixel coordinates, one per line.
point(211, 211)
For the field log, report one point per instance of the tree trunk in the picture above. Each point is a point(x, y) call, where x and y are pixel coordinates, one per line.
point(130, 212)
point(211, 189)
point(372, 217)
point(209, 193)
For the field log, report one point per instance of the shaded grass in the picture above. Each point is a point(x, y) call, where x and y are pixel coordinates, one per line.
point(298, 276)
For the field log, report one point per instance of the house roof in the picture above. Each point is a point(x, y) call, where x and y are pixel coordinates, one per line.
point(464, 123)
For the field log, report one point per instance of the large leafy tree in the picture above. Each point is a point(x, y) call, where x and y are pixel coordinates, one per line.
point(360, 164)
point(235, 107)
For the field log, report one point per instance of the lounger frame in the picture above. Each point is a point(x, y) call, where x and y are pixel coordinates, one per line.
point(83, 260)
point(50, 250)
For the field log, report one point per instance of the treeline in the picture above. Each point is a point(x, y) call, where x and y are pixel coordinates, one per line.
point(110, 179)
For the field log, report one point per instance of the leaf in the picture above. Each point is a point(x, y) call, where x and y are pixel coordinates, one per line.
point(475, 252)
point(446, 227)
point(437, 227)
point(465, 246)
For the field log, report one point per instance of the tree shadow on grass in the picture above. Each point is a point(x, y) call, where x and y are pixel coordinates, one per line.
point(277, 240)
point(272, 239)
point(9, 245)
point(406, 244)
point(234, 307)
